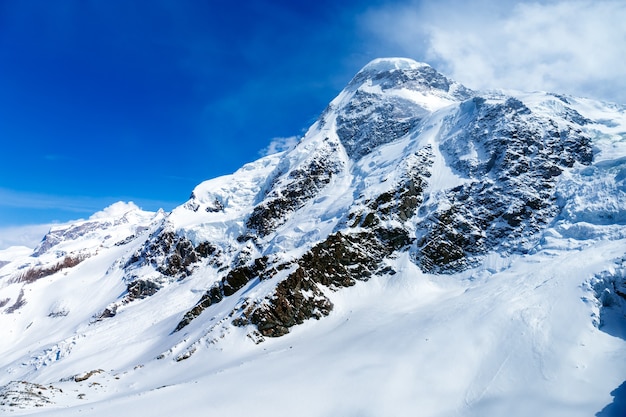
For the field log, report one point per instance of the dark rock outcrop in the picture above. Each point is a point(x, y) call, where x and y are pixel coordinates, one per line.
point(292, 190)
point(236, 279)
point(339, 261)
point(370, 120)
point(510, 193)
point(170, 254)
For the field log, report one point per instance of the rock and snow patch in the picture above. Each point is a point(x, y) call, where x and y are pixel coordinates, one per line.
point(25, 395)
point(609, 291)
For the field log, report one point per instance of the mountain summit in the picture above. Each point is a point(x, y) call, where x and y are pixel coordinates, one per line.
point(423, 247)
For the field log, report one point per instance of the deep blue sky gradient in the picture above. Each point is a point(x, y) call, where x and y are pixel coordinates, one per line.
point(142, 100)
point(108, 100)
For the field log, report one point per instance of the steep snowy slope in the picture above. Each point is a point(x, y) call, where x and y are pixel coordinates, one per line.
point(424, 247)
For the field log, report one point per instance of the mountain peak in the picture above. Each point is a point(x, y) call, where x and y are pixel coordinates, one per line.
point(390, 64)
point(386, 99)
point(405, 73)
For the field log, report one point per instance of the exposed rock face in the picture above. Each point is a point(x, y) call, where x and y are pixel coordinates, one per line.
point(401, 201)
point(19, 303)
point(338, 262)
point(170, 254)
point(33, 274)
point(289, 192)
point(507, 159)
point(296, 299)
point(72, 232)
point(233, 281)
point(375, 115)
point(369, 121)
point(141, 289)
point(25, 395)
point(514, 160)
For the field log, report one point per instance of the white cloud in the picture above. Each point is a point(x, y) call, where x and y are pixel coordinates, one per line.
point(575, 47)
point(28, 235)
point(280, 145)
point(115, 209)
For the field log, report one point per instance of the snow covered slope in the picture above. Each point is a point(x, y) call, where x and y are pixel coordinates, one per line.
point(425, 249)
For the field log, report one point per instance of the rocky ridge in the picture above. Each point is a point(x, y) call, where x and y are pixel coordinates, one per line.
point(505, 158)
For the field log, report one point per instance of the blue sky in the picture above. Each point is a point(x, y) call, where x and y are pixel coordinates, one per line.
point(142, 100)
point(103, 101)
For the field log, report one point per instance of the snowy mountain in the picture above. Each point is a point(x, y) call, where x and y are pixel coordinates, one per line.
point(425, 249)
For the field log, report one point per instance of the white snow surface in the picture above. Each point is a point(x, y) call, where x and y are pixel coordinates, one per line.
point(518, 341)
point(389, 64)
point(519, 335)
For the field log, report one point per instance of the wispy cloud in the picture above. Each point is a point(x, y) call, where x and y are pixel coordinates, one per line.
point(27, 235)
point(280, 145)
point(574, 47)
point(19, 199)
point(78, 205)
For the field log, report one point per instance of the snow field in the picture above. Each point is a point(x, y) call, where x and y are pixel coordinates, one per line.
point(518, 341)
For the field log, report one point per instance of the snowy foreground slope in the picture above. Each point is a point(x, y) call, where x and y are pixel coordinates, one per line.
point(424, 250)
